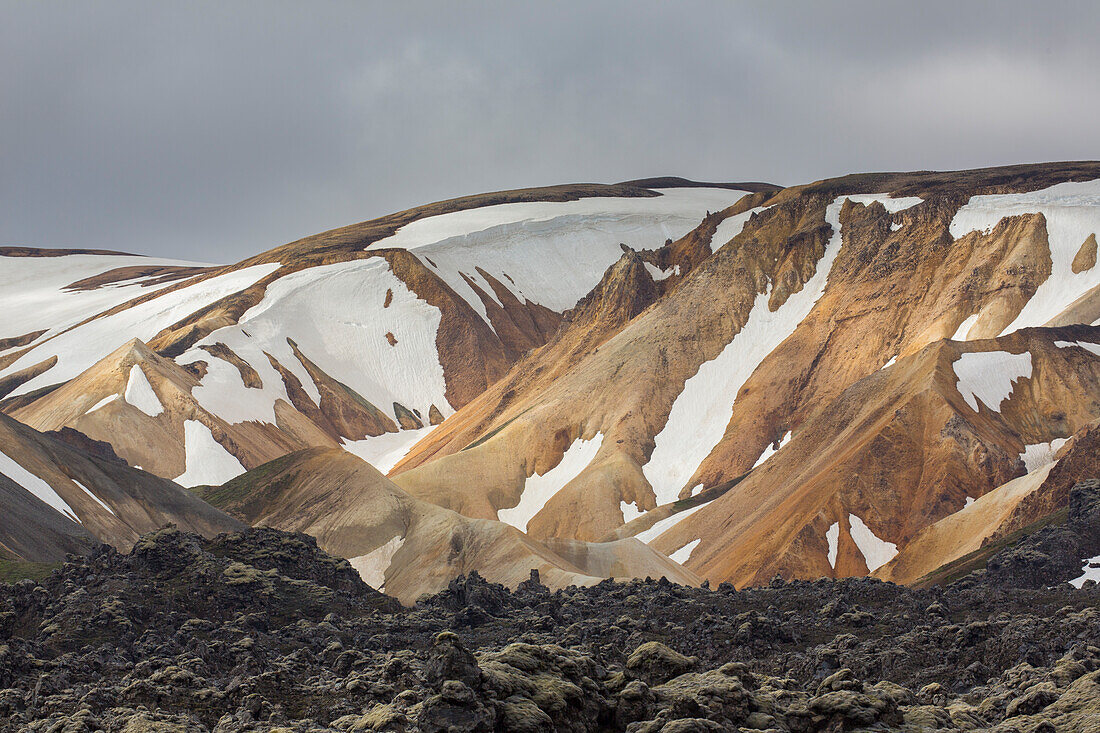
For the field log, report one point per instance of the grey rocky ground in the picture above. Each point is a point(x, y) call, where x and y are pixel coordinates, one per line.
point(261, 631)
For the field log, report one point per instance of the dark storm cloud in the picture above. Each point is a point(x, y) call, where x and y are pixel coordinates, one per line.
point(212, 131)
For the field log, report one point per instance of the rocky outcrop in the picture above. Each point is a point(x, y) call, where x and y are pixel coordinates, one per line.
point(260, 630)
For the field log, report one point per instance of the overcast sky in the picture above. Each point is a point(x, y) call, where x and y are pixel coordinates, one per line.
point(214, 131)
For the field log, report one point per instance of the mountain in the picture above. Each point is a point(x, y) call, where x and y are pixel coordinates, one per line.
point(60, 498)
point(408, 547)
point(866, 374)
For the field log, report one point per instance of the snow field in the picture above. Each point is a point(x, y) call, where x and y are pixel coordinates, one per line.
point(336, 314)
point(988, 376)
point(551, 253)
point(81, 347)
point(33, 298)
point(1072, 212)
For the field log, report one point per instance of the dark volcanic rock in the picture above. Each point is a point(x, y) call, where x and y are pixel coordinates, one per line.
point(261, 631)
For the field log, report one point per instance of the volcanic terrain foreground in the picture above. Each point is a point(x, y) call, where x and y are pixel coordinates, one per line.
point(260, 630)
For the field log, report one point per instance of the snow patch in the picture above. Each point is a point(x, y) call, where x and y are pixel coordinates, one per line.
point(771, 450)
point(140, 394)
point(1037, 455)
point(684, 553)
point(537, 490)
point(630, 511)
point(94, 498)
point(658, 274)
point(891, 204)
point(964, 328)
point(207, 462)
point(1072, 212)
point(1091, 348)
point(1091, 571)
point(702, 411)
point(989, 376)
point(37, 486)
point(386, 450)
point(832, 536)
point(876, 552)
point(372, 566)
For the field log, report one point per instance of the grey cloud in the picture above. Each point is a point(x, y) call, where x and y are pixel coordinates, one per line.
point(212, 131)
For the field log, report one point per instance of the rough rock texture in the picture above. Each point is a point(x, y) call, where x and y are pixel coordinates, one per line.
point(260, 631)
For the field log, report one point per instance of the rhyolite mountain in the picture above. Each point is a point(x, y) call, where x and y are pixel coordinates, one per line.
point(880, 373)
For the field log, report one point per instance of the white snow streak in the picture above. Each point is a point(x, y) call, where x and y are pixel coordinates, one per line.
point(95, 498)
point(538, 490)
point(989, 376)
point(386, 450)
point(1091, 348)
point(832, 536)
point(103, 403)
point(1072, 212)
point(684, 553)
point(661, 526)
point(771, 450)
point(699, 416)
point(876, 552)
point(964, 328)
point(207, 461)
point(140, 394)
point(37, 486)
point(731, 226)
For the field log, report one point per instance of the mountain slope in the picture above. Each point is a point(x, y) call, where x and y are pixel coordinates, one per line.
point(409, 547)
point(750, 380)
point(60, 499)
point(382, 327)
